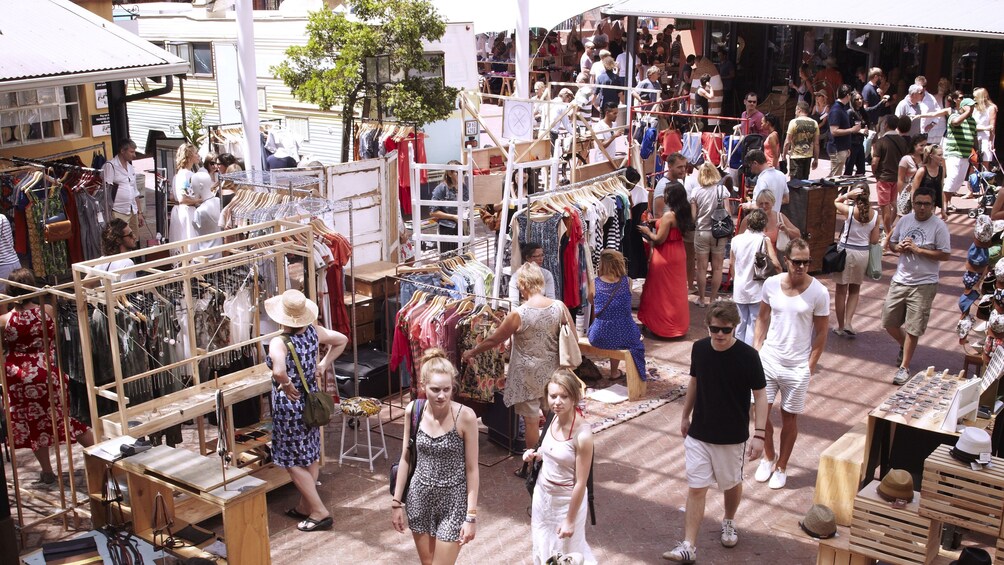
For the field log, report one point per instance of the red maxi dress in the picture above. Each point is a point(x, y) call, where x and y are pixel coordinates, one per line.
point(664, 308)
point(28, 382)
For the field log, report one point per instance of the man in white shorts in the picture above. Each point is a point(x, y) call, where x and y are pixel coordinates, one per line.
point(723, 371)
point(794, 306)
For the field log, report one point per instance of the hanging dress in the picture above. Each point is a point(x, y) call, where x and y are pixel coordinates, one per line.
point(28, 382)
point(664, 308)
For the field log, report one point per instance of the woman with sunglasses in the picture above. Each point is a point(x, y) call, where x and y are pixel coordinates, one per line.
point(861, 229)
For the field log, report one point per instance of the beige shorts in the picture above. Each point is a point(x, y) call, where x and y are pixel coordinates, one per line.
point(531, 408)
point(709, 463)
point(704, 242)
point(909, 307)
point(854, 267)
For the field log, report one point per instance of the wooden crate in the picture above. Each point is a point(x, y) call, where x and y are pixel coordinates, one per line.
point(841, 469)
point(955, 494)
point(835, 551)
point(892, 535)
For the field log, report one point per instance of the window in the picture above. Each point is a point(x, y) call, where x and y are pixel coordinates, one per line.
point(39, 115)
point(198, 55)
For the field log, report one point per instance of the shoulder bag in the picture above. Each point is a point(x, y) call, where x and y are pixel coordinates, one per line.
point(569, 355)
point(835, 258)
point(317, 406)
point(416, 417)
point(763, 267)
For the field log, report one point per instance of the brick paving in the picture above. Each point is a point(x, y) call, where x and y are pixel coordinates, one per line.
point(639, 476)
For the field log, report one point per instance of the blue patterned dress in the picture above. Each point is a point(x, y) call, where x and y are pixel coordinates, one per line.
point(615, 328)
point(293, 443)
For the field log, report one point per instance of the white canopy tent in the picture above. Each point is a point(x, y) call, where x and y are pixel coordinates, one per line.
point(976, 18)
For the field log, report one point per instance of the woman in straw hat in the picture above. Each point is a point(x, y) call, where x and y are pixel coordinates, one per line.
point(295, 446)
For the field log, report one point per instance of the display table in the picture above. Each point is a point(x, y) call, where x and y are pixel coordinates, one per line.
point(210, 490)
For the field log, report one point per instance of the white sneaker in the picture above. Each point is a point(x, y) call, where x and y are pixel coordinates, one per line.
point(764, 471)
point(682, 553)
point(778, 480)
point(730, 535)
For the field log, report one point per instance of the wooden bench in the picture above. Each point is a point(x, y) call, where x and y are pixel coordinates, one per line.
point(636, 386)
point(841, 470)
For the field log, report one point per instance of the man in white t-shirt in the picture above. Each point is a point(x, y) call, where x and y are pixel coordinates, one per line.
point(922, 240)
point(767, 178)
point(790, 335)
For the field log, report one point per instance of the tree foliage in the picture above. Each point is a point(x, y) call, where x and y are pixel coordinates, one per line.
point(328, 70)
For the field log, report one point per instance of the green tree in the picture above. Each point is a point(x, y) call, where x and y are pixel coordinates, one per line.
point(328, 70)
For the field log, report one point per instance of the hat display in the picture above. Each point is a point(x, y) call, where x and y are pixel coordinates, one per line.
point(984, 228)
point(291, 309)
point(967, 300)
point(897, 484)
point(819, 522)
point(973, 556)
point(973, 444)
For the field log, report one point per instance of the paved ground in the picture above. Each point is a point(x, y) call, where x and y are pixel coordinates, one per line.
point(640, 483)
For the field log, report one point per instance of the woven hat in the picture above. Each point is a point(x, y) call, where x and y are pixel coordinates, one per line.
point(973, 443)
point(819, 522)
point(291, 309)
point(973, 556)
point(896, 484)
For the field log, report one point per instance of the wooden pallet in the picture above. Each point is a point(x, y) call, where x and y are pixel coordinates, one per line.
point(892, 535)
point(955, 494)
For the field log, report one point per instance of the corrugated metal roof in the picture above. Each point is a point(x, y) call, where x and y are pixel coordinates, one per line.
point(974, 18)
point(56, 38)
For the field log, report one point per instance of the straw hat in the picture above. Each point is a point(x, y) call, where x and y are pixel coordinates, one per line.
point(820, 522)
point(896, 484)
point(291, 309)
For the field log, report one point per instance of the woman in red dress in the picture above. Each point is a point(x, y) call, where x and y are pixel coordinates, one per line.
point(34, 406)
point(664, 308)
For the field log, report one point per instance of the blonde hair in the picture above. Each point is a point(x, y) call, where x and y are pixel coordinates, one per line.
point(529, 278)
point(766, 195)
point(567, 380)
point(708, 174)
point(611, 264)
point(982, 98)
point(435, 362)
point(181, 156)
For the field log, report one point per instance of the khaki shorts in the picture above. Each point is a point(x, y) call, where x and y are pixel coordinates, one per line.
point(709, 463)
point(531, 408)
point(854, 267)
point(909, 307)
point(704, 242)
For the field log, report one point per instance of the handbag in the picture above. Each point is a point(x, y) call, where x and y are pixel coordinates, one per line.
point(569, 355)
point(763, 267)
point(317, 406)
point(534, 469)
point(835, 258)
point(416, 416)
point(874, 268)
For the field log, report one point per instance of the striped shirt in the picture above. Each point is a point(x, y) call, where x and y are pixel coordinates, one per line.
point(959, 139)
point(7, 254)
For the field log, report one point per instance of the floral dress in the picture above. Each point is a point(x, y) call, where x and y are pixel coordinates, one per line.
point(28, 382)
point(293, 443)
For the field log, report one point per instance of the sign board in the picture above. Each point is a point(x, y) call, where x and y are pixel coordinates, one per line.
point(101, 124)
point(101, 95)
point(517, 120)
point(470, 128)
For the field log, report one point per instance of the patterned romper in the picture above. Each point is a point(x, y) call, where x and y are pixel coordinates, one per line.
point(293, 443)
point(437, 495)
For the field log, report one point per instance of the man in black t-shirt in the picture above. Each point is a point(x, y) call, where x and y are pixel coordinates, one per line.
point(723, 372)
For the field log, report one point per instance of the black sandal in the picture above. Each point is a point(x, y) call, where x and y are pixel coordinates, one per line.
point(296, 514)
point(314, 525)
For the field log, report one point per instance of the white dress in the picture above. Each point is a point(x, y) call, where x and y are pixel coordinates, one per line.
point(551, 499)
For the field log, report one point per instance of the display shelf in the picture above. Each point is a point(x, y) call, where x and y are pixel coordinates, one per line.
point(955, 494)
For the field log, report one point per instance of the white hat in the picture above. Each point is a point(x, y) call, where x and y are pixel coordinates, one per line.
point(202, 185)
point(291, 309)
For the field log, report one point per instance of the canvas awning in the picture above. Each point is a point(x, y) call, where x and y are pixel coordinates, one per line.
point(976, 18)
point(48, 43)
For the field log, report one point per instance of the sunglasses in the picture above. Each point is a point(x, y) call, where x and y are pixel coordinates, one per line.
point(720, 329)
point(800, 262)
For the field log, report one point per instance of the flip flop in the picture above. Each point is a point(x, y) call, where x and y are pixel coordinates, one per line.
point(297, 515)
point(311, 525)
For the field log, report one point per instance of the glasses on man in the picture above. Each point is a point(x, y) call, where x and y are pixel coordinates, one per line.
point(800, 262)
point(720, 329)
